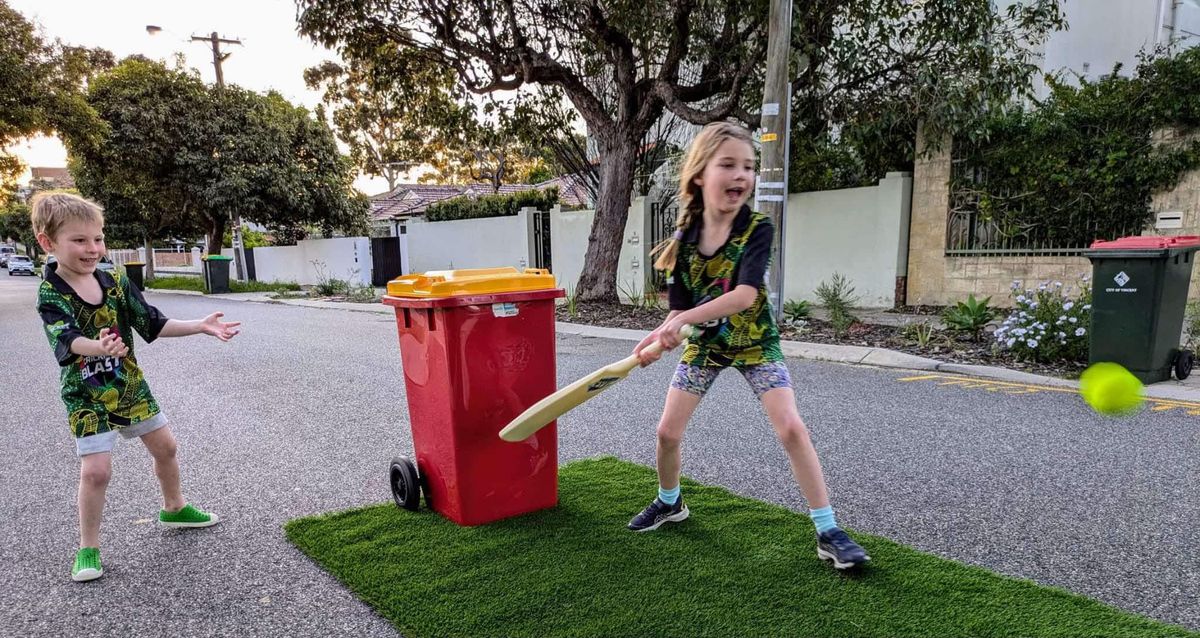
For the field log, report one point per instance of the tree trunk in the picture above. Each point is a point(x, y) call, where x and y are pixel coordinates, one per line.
point(598, 281)
point(216, 235)
point(148, 272)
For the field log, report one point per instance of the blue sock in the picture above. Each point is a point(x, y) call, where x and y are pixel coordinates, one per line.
point(668, 496)
point(823, 519)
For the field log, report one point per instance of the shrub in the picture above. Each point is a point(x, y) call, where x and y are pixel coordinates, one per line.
point(1047, 324)
point(838, 297)
point(971, 316)
point(491, 205)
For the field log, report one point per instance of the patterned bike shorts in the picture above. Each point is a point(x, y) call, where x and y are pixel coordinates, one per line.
point(762, 377)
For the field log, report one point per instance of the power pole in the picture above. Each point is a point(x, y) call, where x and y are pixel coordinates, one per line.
point(771, 197)
point(215, 41)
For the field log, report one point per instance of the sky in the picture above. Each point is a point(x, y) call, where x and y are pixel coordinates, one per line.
point(272, 55)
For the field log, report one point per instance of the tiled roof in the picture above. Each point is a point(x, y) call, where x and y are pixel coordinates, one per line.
point(407, 200)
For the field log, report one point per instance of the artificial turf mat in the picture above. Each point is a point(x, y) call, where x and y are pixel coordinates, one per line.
point(737, 567)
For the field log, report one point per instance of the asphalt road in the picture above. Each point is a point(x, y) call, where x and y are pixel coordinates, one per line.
point(301, 413)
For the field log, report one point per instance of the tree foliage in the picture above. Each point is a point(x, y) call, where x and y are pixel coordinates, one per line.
point(14, 222)
point(179, 157)
point(623, 65)
point(390, 107)
point(1084, 164)
point(869, 71)
point(40, 86)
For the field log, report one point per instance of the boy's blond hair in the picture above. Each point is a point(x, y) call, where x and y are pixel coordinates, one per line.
point(52, 210)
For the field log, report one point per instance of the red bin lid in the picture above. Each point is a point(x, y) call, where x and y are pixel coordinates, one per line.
point(1147, 243)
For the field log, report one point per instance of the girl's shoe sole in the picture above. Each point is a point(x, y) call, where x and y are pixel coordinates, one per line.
point(824, 555)
point(674, 518)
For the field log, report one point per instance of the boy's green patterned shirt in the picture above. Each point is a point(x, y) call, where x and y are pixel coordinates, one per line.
point(749, 337)
point(101, 393)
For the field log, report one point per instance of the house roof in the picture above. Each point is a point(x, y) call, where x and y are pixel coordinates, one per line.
point(407, 200)
point(571, 190)
point(57, 175)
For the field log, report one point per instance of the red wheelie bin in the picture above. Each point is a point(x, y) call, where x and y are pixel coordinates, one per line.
point(478, 348)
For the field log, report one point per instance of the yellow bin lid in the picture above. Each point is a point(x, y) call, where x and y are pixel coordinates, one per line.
point(472, 281)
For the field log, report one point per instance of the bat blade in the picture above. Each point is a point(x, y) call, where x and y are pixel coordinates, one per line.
point(538, 415)
point(543, 412)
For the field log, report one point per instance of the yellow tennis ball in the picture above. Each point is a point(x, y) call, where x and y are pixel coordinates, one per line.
point(1111, 389)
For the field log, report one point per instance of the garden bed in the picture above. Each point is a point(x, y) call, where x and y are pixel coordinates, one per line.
point(942, 345)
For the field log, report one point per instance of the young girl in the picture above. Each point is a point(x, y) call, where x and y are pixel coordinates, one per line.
point(716, 264)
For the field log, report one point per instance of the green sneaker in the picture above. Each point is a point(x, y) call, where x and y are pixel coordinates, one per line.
point(188, 516)
point(87, 565)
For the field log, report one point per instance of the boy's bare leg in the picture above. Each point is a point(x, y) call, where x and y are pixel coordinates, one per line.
point(162, 447)
point(94, 473)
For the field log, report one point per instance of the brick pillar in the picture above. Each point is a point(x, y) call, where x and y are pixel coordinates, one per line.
point(927, 231)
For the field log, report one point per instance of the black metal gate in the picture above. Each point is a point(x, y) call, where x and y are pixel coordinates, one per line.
point(662, 226)
point(541, 239)
point(385, 260)
point(251, 274)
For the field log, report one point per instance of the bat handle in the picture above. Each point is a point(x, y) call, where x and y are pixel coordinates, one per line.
point(654, 348)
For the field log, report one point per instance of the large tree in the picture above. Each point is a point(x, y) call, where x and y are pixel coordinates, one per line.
point(180, 157)
point(270, 162)
point(40, 86)
point(147, 111)
point(623, 64)
point(692, 57)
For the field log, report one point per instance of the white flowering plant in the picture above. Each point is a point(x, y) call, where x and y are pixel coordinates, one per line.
point(1050, 323)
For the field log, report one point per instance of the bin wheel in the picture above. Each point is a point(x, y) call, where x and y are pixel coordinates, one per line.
point(1183, 364)
point(406, 487)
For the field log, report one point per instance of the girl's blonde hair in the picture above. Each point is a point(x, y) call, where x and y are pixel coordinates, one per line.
point(691, 198)
point(52, 210)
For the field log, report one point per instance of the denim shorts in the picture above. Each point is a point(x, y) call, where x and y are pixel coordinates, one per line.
point(762, 377)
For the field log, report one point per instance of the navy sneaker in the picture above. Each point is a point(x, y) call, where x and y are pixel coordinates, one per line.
point(658, 513)
point(837, 546)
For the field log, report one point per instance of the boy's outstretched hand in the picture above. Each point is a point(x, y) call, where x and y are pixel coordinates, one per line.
point(223, 330)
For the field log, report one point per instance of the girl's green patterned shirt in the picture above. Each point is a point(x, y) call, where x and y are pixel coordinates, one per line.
point(749, 337)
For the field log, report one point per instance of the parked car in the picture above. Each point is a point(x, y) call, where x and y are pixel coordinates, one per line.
point(20, 264)
point(105, 264)
point(5, 253)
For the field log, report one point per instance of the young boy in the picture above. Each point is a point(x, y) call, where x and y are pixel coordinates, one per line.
point(89, 317)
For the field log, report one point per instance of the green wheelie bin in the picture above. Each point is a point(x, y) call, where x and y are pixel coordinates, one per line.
point(1139, 294)
point(134, 270)
point(216, 273)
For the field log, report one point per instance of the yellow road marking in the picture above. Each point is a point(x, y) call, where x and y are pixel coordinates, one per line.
point(1013, 388)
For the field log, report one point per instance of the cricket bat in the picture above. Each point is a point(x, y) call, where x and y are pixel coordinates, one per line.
point(543, 412)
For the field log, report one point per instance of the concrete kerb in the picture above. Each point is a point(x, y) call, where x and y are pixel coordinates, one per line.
point(852, 355)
